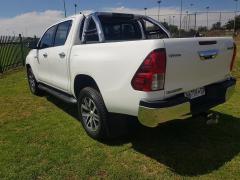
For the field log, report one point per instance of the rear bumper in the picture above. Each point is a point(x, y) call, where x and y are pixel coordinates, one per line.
point(151, 114)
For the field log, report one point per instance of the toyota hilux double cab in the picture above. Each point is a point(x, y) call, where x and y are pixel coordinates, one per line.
point(129, 64)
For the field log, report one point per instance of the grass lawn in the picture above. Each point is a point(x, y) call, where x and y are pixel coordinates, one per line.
point(40, 138)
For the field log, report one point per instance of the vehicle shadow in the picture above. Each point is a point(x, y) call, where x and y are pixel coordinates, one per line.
point(188, 147)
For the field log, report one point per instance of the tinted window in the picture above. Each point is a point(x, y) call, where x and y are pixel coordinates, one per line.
point(91, 34)
point(62, 33)
point(81, 28)
point(120, 28)
point(47, 39)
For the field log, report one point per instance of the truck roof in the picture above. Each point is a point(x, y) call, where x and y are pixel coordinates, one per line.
point(106, 14)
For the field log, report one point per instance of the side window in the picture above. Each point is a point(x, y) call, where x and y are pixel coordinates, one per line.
point(62, 33)
point(91, 34)
point(48, 38)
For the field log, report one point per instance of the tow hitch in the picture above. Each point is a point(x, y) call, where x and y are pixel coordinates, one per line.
point(212, 118)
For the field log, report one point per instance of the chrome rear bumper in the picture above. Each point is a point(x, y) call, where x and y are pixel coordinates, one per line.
point(151, 114)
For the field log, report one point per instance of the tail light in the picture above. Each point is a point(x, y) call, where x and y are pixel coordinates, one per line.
point(234, 57)
point(151, 74)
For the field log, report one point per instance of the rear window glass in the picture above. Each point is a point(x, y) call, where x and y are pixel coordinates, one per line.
point(120, 28)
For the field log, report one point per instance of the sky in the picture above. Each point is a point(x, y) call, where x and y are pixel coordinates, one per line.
point(31, 17)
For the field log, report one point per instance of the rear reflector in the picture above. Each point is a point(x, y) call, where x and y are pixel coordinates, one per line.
point(233, 57)
point(151, 74)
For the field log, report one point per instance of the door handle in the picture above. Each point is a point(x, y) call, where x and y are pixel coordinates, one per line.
point(62, 55)
point(45, 55)
point(211, 54)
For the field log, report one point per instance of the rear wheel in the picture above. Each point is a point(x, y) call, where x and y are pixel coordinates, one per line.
point(93, 113)
point(33, 85)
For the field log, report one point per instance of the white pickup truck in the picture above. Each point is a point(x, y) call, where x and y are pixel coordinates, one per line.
point(128, 64)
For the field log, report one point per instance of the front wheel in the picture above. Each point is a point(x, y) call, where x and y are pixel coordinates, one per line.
point(93, 113)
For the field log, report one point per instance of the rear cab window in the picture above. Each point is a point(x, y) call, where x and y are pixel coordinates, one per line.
point(117, 28)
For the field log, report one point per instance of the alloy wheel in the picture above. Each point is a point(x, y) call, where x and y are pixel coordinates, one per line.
point(90, 114)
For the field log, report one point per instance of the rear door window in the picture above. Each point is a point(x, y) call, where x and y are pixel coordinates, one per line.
point(62, 32)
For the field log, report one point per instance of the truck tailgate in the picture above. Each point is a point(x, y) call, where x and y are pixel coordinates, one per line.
point(196, 62)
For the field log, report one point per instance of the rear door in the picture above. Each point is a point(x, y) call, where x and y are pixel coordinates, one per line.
point(58, 71)
point(196, 62)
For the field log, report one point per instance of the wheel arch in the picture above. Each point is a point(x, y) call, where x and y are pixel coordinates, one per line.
point(27, 66)
point(81, 81)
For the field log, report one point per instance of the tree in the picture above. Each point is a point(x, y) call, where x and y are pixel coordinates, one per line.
point(217, 26)
point(202, 29)
point(171, 28)
point(230, 24)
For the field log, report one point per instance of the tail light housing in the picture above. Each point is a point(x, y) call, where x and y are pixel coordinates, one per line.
point(151, 74)
point(234, 57)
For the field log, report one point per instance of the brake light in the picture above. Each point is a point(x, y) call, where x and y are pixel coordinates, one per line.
point(234, 57)
point(151, 74)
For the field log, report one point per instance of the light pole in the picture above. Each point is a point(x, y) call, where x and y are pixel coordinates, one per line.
point(220, 19)
point(64, 6)
point(173, 20)
point(159, 6)
point(75, 6)
point(180, 27)
point(191, 5)
point(187, 21)
point(145, 9)
point(207, 15)
point(235, 15)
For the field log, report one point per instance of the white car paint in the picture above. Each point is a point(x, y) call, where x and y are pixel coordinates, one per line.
point(113, 65)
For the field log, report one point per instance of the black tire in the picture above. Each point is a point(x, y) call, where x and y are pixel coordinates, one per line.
point(33, 84)
point(93, 113)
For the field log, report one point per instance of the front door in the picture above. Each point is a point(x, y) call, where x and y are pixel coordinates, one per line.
point(44, 47)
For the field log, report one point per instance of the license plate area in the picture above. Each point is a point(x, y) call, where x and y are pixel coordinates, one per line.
point(193, 94)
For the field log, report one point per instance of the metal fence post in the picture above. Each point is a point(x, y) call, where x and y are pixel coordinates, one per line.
point(1, 69)
point(195, 22)
point(21, 46)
